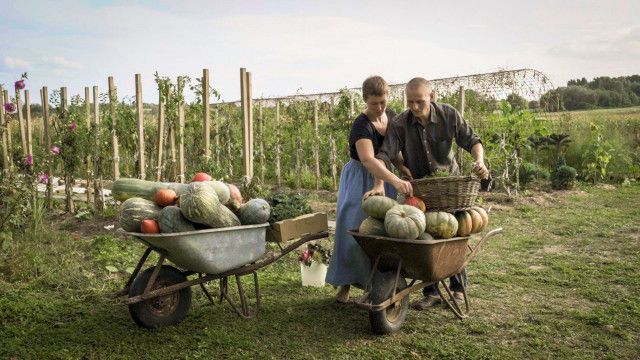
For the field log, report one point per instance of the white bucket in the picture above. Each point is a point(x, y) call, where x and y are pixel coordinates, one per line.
point(313, 275)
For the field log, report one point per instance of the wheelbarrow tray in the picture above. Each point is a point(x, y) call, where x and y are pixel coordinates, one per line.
point(426, 260)
point(210, 251)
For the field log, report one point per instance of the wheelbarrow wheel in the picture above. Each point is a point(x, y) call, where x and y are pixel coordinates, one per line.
point(164, 310)
point(390, 319)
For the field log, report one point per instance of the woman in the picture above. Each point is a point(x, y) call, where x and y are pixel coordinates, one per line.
point(349, 264)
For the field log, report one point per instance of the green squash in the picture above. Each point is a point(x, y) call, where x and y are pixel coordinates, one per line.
point(200, 205)
point(221, 189)
point(126, 188)
point(135, 210)
point(441, 225)
point(404, 222)
point(372, 226)
point(377, 206)
point(171, 220)
point(425, 236)
point(254, 211)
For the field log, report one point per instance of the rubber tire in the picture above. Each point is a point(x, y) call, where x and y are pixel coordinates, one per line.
point(388, 320)
point(164, 310)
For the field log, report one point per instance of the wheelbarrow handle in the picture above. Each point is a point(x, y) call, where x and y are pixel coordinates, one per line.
point(479, 245)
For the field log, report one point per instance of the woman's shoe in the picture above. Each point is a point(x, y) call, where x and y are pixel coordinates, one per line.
point(342, 297)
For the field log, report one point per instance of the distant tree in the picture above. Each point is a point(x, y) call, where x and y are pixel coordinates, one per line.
point(517, 102)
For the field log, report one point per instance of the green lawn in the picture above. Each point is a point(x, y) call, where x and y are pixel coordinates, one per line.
point(561, 282)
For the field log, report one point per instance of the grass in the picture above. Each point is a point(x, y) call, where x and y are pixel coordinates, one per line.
point(561, 282)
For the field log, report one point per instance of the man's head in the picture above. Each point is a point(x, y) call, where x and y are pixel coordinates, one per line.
point(418, 91)
point(375, 91)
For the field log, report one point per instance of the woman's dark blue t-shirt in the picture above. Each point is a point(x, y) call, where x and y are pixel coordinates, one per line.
point(362, 128)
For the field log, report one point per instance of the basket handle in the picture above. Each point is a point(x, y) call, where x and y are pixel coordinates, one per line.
point(479, 245)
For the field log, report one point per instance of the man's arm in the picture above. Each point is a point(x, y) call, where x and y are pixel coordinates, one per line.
point(468, 140)
point(479, 168)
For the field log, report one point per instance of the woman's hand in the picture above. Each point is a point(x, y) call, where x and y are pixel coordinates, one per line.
point(403, 187)
point(376, 190)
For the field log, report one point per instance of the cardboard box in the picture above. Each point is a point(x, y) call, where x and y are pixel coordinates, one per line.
point(295, 228)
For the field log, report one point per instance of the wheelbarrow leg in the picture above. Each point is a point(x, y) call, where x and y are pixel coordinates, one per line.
point(451, 302)
point(206, 292)
point(141, 262)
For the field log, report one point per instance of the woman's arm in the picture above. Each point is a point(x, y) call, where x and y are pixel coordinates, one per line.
point(364, 147)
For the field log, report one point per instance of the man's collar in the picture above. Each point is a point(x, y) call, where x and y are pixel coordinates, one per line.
point(432, 115)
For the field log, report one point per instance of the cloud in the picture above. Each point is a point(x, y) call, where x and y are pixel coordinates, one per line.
point(16, 63)
point(619, 45)
point(61, 63)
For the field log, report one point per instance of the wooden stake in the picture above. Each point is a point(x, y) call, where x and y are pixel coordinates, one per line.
point(68, 177)
point(140, 119)
point(334, 165)
point(87, 105)
point(5, 93)
point(23, 133)
point(98, 193)
point(206, 114)
point(87, 112)
point(229, 157)
point(64, 101)
point(247, 123)
point(113, 102)
point(160, 137)
point(216, 122)
point(181, 176)
point(316, 143)
point(27, 103)
point(172, 136)
point(261, 141)
point(250, 128)
point(5, 142)
point(47, 141)
point(298, 153)
point(278, 175)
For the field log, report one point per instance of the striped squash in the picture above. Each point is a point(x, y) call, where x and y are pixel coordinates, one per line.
point(134, 210)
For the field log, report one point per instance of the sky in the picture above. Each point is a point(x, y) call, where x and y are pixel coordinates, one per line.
point(309, 46)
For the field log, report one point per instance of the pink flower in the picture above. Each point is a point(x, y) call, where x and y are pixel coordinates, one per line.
point(55, 150)
point(28, 160)
point(10, 108)
point(43, 178)
point(20, 85)
point(73, 126)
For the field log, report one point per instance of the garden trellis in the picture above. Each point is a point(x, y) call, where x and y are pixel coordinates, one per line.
point(301, 139)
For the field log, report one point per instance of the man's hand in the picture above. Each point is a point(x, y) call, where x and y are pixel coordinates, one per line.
point(480, 169)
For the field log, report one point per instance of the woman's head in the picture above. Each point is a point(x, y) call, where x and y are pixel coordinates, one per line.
point(375, 92)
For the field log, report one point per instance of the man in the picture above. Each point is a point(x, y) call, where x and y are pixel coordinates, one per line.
point(424, 136)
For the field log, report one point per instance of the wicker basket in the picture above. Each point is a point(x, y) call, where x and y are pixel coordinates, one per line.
point(451, 193)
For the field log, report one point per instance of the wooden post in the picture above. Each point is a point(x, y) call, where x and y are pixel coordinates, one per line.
point(261, 141)
point(140, 119)
point(247, 123)
point(169, 114)
point(334, 165)
point(47, 140)
point(278, 175)
point(206, 114)
point(298, 174)
point(181, 176)
point(5, 94)
point(68, 177)
point(5, 142)
point(87, 105)
point(27, 103)
point(404, 98)
point(216, 122)
point(98, 194)
point(23, 133)
point(160, 136)
point(316, 143)
point(113, 102)
point(229, 157)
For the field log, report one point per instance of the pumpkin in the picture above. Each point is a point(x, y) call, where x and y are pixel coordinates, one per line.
point(149, 226)
point(254, 211)
point(134, 210)
point(201, 177)
point(425, 236)
point(377, 206)
point(221, 189)
point(441, 225)
point(484, 215)
point(464, 223)
point(166, 197)
point(404, 222)
point(372, 226)
point(234, 194)
point(200, 205)
point(233, 205)
point(171, 220)
point(476, 221)
point(126, 188)
point(416, 202)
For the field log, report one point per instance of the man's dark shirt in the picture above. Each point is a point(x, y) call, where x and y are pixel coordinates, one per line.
point(426, 149)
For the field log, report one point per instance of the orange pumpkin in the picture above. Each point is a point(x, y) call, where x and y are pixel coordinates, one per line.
point(465, 223)
point(416, 202)
point(166, 197)
point(201, 177)
point(476, 221)
point(484, 215)
point(235, 195)
point(149, 226)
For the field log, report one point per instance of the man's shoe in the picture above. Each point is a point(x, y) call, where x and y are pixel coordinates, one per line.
point(428, 302)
